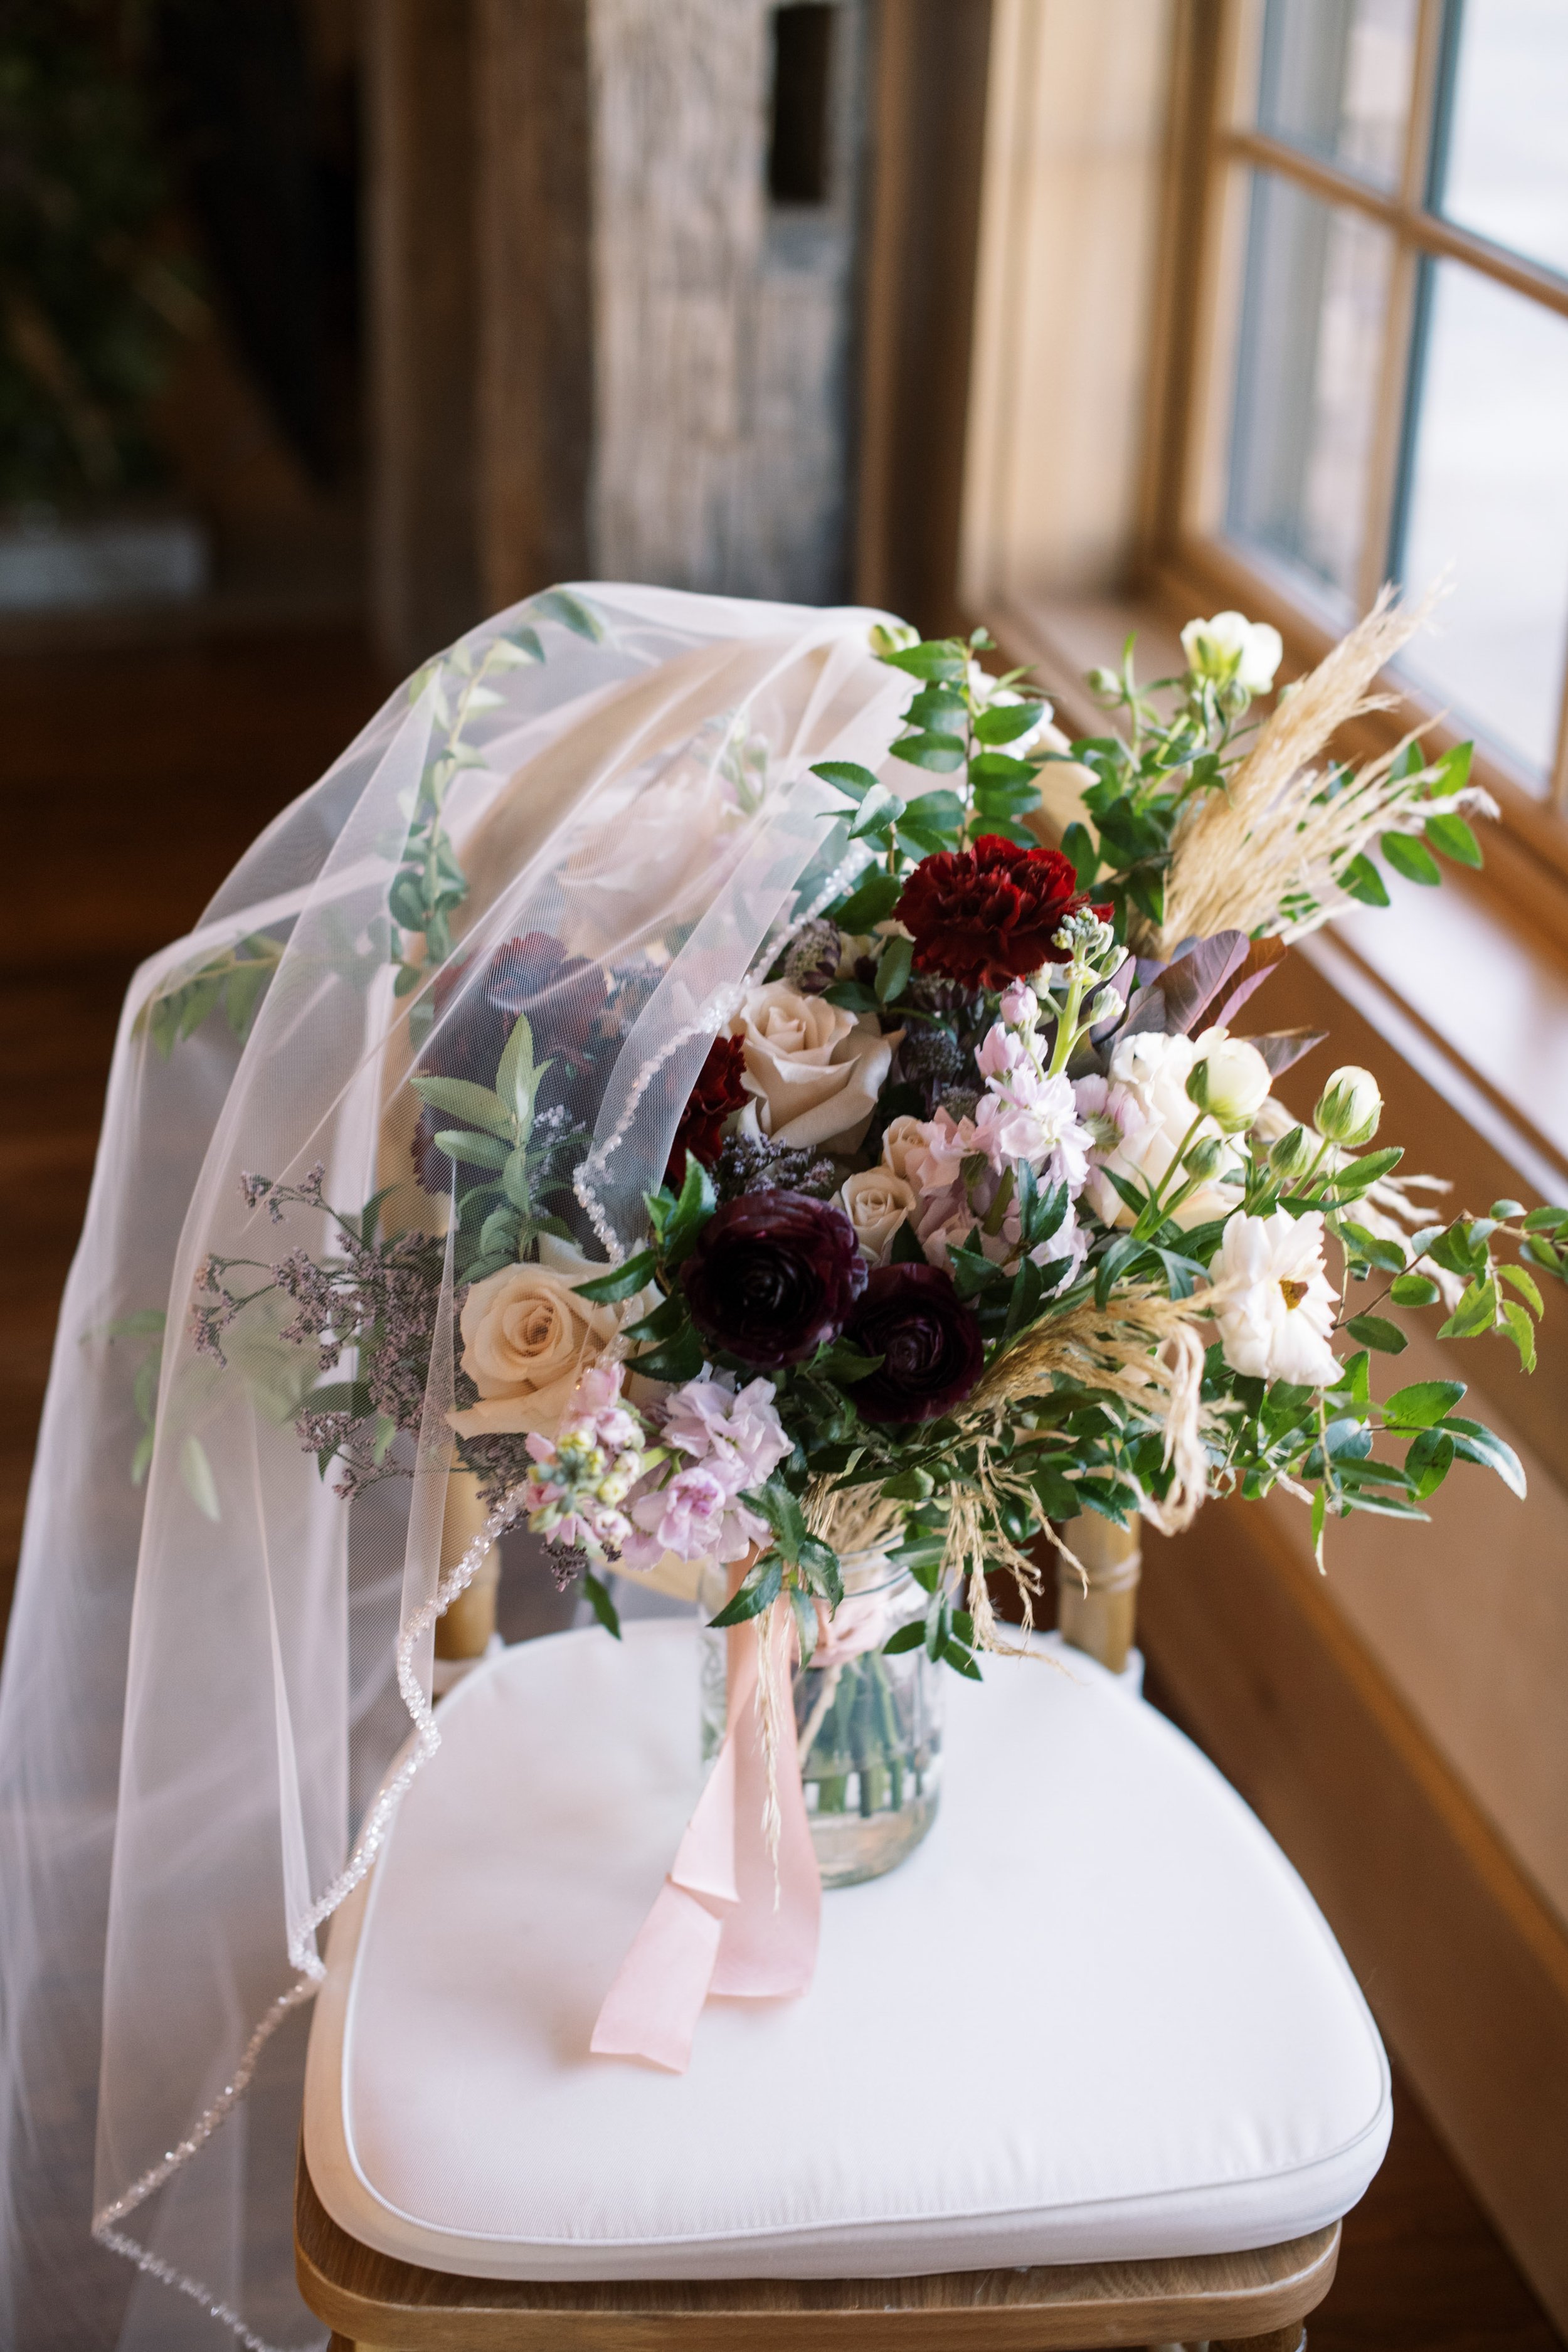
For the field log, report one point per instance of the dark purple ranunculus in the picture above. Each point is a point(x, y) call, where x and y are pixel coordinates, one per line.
point(773, 1275)
point(928, 1341)
point(563, 996)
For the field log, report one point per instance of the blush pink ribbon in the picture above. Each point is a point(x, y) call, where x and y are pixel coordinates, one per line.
point(722, 1923)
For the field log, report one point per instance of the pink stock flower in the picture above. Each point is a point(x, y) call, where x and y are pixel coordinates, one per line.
point(1022, 1115)
point(735, 1440)
point(687, 1516)
point(1001, 1052)
point(596, 1413)
point(736, 1434)
point(692, 1517)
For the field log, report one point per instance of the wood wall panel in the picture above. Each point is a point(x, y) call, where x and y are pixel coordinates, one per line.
point(1462, 1962)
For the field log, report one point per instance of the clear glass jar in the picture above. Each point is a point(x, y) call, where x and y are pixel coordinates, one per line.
point(868, 1726)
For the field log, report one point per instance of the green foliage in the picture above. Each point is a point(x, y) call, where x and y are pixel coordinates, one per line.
point(236, 978)
point(502, 1215)
point(429, 885)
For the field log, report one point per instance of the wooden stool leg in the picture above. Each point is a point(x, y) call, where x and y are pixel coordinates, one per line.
point(464, 1631)
point(1278, 2339)
point(1103, 1620)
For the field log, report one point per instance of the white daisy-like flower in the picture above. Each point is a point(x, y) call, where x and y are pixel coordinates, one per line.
point(1275, 1324)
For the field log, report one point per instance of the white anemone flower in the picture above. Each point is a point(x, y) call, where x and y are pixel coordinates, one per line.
point(1275, 1324)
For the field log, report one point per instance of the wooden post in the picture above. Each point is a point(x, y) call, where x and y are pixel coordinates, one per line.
point(465, 1630)
point(480, 310)
point(1103, 1620)
point(532, 227)
point(419, 66)
point(928, 145)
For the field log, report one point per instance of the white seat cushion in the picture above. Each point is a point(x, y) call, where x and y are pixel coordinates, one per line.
point(1095, 2016)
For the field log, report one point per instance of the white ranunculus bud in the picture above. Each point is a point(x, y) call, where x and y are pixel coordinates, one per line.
point(895, 640)
point(1206, 1157)
point(1291, 1156)
point(1231, 647)
point(1349, 1107)
point(1229, 1079)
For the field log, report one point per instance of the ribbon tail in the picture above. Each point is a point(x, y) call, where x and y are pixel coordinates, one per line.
point(652, 2008)
point(768, 1947)
point(725, 1920)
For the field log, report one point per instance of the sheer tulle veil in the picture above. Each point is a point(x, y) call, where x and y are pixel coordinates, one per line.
point(218, 1676)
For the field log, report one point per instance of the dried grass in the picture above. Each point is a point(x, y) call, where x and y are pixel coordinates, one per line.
point(851, 1519)
point(1142, 1347)
point(1259, 856)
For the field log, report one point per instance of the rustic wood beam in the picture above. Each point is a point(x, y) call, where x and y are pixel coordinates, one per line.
point(423, 583)
point(534, 250)
point(930, 75)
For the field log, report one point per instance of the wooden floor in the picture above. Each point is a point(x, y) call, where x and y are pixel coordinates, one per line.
point(129, 781)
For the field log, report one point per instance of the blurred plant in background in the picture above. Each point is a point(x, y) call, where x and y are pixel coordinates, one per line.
point(94, 292)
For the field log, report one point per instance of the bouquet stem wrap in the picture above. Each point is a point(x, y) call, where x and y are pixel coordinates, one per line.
point(732, 1918)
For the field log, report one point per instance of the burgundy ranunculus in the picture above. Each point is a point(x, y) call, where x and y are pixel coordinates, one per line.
point(717, 1093)
point(928, 1341)
point(561, 994)
point(773, 1275)
point(988, 914)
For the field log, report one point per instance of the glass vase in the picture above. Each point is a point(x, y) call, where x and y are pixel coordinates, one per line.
point(868, 1726)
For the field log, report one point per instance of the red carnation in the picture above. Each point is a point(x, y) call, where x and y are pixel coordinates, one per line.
point(718, 1092)
point(988, 914)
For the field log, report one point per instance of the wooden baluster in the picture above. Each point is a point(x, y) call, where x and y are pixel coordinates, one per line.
point(1103, 1620)
point(465, 1630)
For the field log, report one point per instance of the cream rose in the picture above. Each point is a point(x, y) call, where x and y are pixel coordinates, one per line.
point(527, 1338)
point(905, 1136)
point(813, 1069)
point(877, 1202)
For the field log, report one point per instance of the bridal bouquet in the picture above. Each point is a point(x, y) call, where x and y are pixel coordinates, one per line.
point(983, 1212)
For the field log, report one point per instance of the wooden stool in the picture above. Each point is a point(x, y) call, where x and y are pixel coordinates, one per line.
point(1248, 2303)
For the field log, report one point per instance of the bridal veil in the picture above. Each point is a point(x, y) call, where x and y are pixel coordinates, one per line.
point(218, 1676)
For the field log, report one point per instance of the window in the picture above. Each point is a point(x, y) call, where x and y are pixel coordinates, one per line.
point(1382, 355)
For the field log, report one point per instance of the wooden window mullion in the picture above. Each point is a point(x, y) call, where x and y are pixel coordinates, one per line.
point(1391, 420)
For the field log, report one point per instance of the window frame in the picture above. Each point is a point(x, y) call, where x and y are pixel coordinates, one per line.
point(1215, 149)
